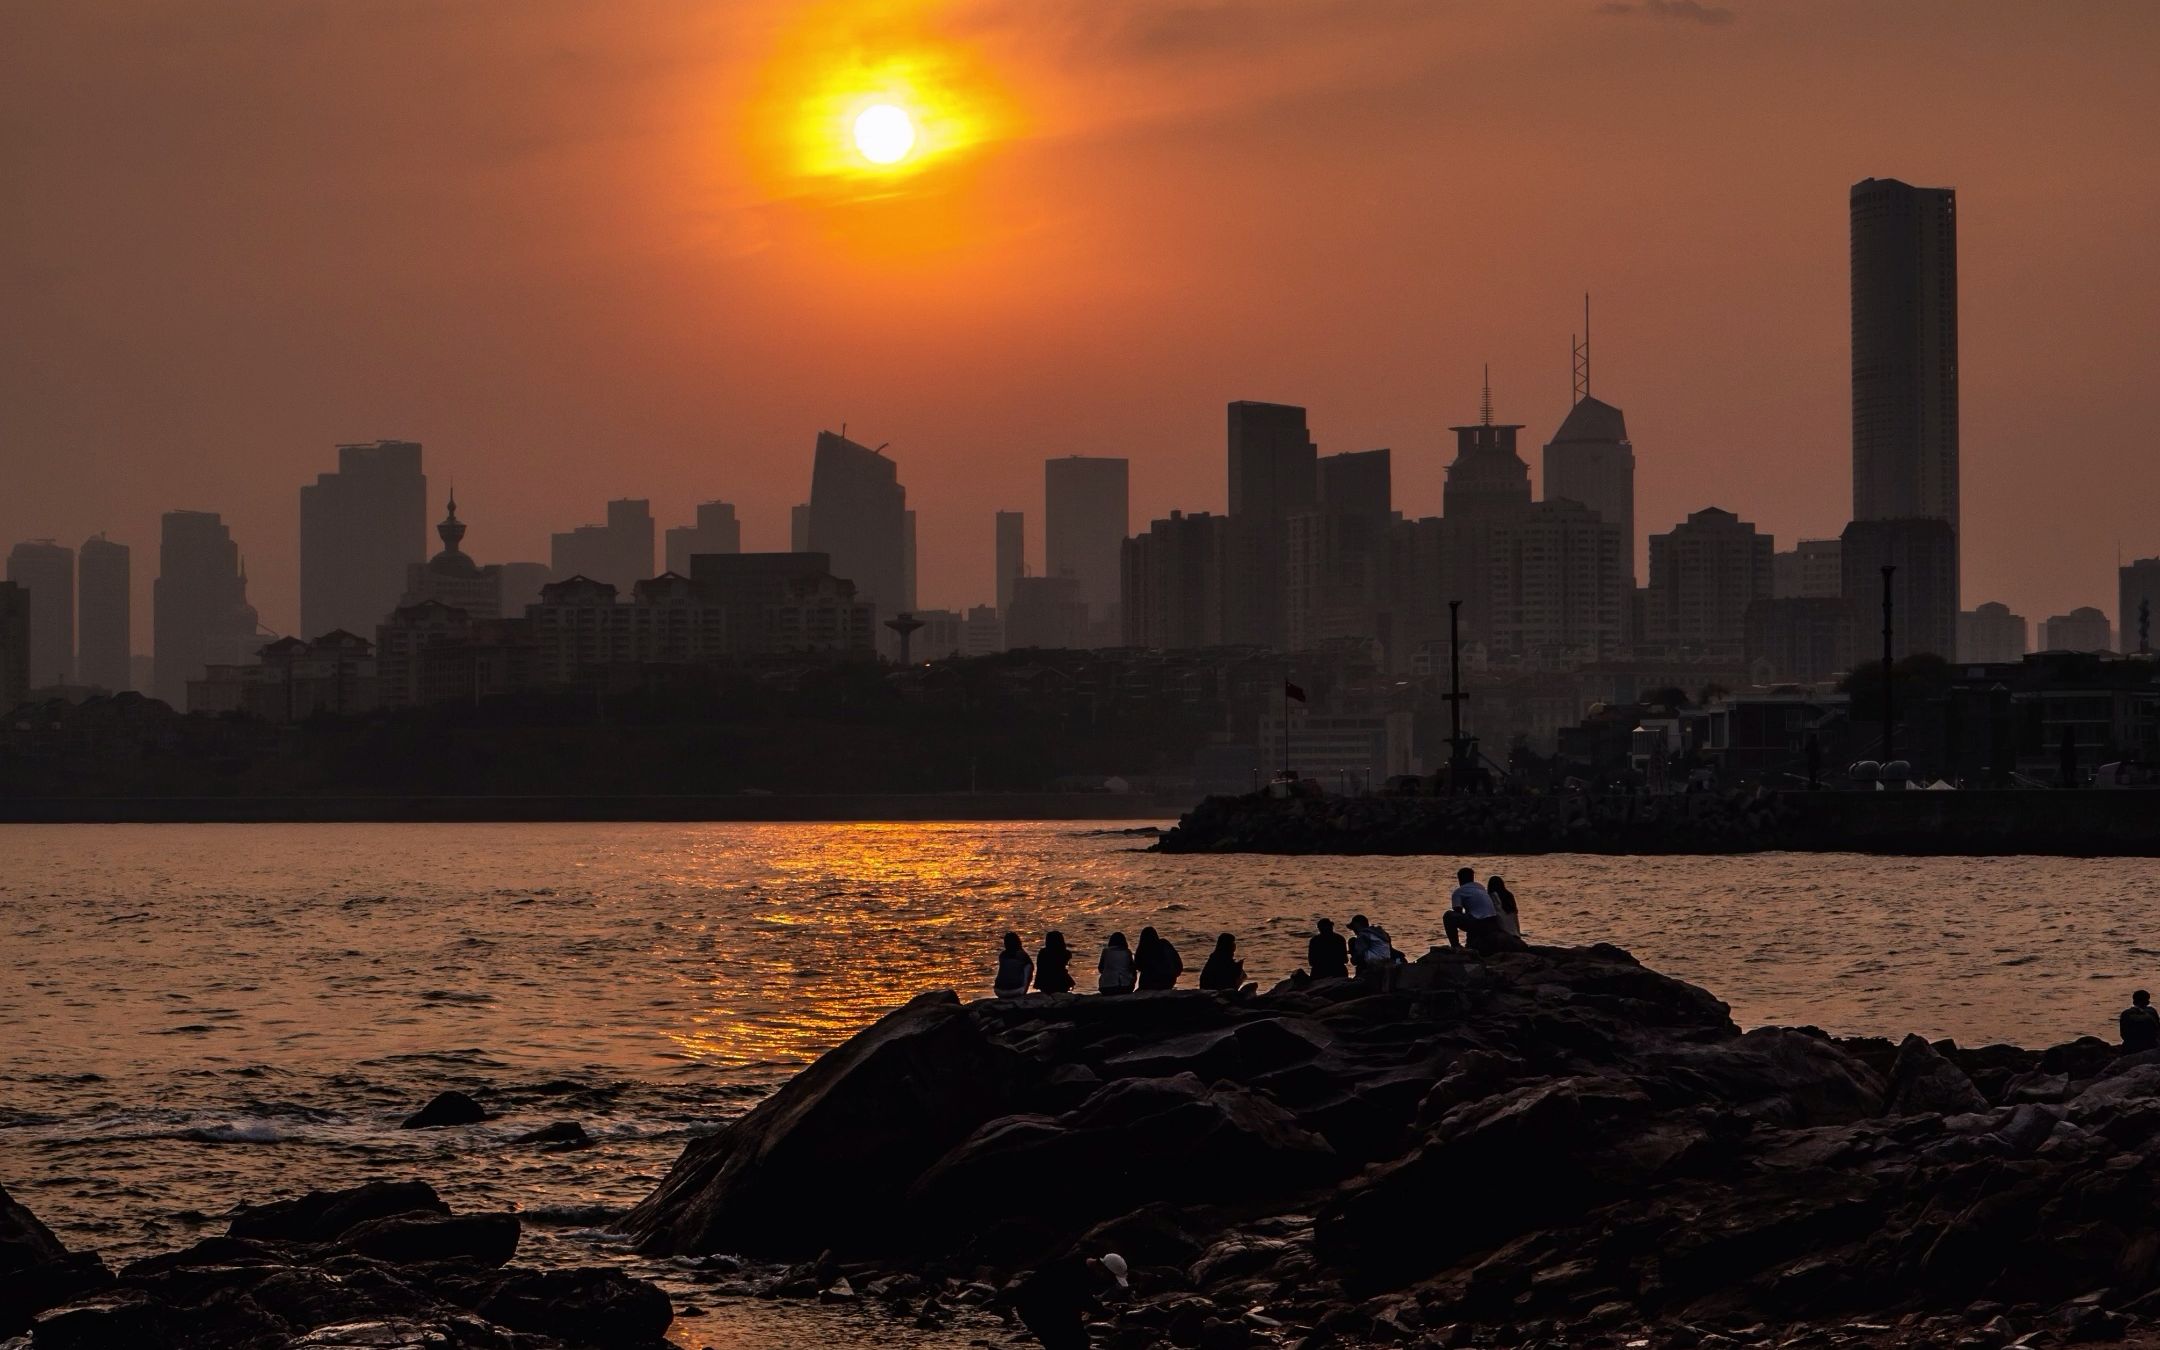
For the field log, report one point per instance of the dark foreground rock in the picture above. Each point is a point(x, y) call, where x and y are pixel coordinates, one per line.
point(1553, 1146)
point(381, 1265)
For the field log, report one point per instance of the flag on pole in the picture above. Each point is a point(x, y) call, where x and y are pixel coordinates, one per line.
point(1290, 690)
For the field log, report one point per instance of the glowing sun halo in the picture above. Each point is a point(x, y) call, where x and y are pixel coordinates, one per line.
point(884, 134)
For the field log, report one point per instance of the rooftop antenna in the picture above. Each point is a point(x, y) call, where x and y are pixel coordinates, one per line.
point(1582, 354)
point(1485, 404)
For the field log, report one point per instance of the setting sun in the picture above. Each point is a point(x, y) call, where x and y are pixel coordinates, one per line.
point(884, 134)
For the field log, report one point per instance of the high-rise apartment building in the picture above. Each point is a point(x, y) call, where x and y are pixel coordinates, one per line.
point(858, 518)
point(717, 531)
point(1011, 554)
point(104, 615)
point(1558, 581)
point(2138, 598)
point(2083, 629)
point(1590, 460)
point(1923, 589)
point(1990, 633)
point(1273, 476)
point(1905, 359)
point(200, 612)
point(1704, 573)
point(1335, 578)
point(47, 571)
point(1809, 570)
point(360, 528)
point(1173, 583)
point(14, 644)
point(619, 553)
point(1488, 486)
point(1085, 516)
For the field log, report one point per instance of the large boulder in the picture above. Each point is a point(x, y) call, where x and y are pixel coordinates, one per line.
point(1923, 1082)
point(825, 1161)
point(1174, 1139)
point(408, 1239)
point(36, 1271)
point(324, 1216)
point(1772, 1074)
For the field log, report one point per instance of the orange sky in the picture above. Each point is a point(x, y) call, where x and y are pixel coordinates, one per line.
point(583, 250)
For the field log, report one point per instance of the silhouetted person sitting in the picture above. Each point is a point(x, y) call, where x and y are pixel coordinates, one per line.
point(1471, 917)
point(1014, 970)
point(1114, 972)
point(2140, 1024)
point(1371, 953)
point(1053, 965)
point(1056, 1299)
point(1326, 954)
point(1223, 970)
point(1504, 903)
point(1157, 961)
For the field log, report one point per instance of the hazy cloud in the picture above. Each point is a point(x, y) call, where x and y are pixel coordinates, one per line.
point(1687, 11)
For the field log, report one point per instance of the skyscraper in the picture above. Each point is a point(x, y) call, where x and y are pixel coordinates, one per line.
point(1558, 581)
point(1085, 516)
point(1704, 573)
point(14, 644)
point(799, 528)
point(1923, 589)
point(1905, 355)
point(1590, 460)
point(1173, 583)
point(858, 518)
point(46, 570)
point(717, 531)
point(1011, 554)
point(104, 615)
point(619, 553)
point(1273, 476)
point(1488, 486)
point(360, 528)
point(1336, 555)
point(200, 611)
point(2084, 629)
point(2139, 598)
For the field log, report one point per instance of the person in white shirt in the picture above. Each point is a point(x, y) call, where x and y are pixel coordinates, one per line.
point(1471, 917)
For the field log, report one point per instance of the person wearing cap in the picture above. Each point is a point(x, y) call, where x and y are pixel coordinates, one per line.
point(2140, 1025)
point(1055, 1300)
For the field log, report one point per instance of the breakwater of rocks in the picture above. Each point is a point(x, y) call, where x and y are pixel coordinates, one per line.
point(1556, 1147)
point(2074, 824)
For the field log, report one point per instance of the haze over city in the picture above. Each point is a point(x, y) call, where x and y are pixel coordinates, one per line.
point(586, 253)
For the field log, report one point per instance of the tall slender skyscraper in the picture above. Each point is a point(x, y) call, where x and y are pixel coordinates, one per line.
point(1904, 352)
point(1590, 460)
point(201, 615)
point(47, 571)
point(858, 517)
point(104, 624)
point(1274, 475)
point(1488, 486)
point(1085, 515)
point(1011, 554)
point(360, 528)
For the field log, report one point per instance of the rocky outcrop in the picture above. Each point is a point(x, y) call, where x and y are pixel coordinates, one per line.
point(36, 1271)
point(386, 1264)
point(1551, 1139)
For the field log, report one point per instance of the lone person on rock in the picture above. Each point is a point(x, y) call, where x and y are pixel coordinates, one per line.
point(2140, 1024)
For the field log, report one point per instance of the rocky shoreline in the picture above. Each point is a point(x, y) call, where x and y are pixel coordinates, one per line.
point(1556, 1147)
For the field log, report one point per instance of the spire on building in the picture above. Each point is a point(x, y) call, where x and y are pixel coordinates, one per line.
point(1582, 354)
point(1485, 403)
point(452, 530)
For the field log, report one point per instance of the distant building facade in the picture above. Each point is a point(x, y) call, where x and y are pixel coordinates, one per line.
point(361, 526)
point(1590, 460)
point(858, 519)
point(1086, 510)
point(1273, 475)
point(2138, 605)
point(291, 680)
point(521, 583)
point(1011, 554)
point(46, 571)
point(2084, 629)
point(104, 610)
point(1923, 588)
point(1558, 582)
point(619, 553)
point(200, 611)
point(1488, 489)
point(452, 577)
point(716, 531)
point(1704, 574)
point(1047, 612)
point(776, 603)
point(1990, 632)
point(982, 633)
point(1173, 583)
point(14, 644)
point(1809, 569)
point(1800, 639)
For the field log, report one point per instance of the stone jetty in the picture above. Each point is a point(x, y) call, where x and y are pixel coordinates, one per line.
point(1556, 1147)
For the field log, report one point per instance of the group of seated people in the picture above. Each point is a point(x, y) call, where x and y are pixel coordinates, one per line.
point(1483, 918)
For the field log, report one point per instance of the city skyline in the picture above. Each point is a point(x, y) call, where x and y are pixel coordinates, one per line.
point(1720, 230)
